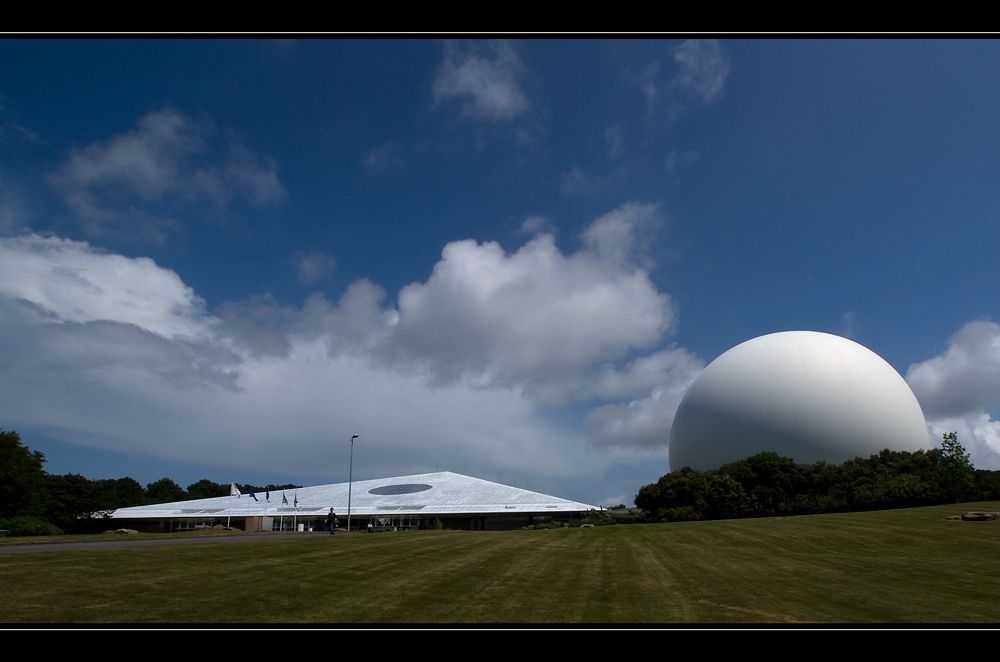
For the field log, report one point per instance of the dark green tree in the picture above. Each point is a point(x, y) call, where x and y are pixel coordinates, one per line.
point(957, 471)
point(206, 489)
point(72, 501)
point(118, 493)
point(987, 485)
point(22, 478)
point(165, 491)
point(686, 487)
point(726, 497)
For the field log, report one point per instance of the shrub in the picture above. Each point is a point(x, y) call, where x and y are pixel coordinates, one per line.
point(680, 514)
point(23, 525)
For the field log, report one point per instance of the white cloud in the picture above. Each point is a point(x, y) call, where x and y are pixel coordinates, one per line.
point(700, 78)
point(379, 160)
point(704, 67)
point(646, 80)
point(978, 434)
point(68, 281)
point(261, 327)
point(14, 212)
point(849, 324)
point(957, 388)
point(135, 184)
point(358, 321)
point(676, 160)
point(537, 318)
point(616, 237)
point(674, 368)
point(642, 423)
point(614, 137)
point(965, 378)
point(536, 225)
point(487, 80)
point(576, 180)
point(244, 175)
point(11, 130)
point(315, 266)
point(118, 353)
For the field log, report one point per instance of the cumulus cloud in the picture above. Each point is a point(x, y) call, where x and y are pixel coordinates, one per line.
point(486, 80)
point(93, 366)
point(674, 368)
point(645, 422)
point(68, 281)
point(978, 434)
point(642, 422)
point(459, 372)
point(617, 238)
point(135, 184)
point(966, 377)
point(536, 318)
point(78, 323)
point(357, 322)
point(262, 327)
point(957, 389)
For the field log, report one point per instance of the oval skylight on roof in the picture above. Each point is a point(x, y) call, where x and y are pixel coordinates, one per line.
point(408, 488)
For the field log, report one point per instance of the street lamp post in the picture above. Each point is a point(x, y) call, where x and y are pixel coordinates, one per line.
point(350, 481)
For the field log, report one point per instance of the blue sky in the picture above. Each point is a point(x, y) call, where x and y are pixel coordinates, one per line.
point(221, 259)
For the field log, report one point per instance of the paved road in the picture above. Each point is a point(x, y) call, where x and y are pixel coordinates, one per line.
point(119, 542)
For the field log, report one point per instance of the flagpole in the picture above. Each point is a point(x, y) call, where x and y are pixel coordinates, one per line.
point(284, 502)
point(233, 492)
point(350, 480)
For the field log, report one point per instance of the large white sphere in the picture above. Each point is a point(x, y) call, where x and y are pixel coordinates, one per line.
point(801, 394)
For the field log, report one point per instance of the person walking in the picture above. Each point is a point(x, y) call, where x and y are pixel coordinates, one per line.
point(331, 521)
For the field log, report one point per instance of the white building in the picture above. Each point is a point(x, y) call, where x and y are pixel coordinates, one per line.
point(424, 501)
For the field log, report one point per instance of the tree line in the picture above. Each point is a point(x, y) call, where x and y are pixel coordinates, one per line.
point(768, 485)
point(32, 501)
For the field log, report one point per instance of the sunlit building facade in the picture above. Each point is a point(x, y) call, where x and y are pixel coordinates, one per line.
point(423, 501)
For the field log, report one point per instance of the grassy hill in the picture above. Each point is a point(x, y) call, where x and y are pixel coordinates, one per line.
point(900, 566)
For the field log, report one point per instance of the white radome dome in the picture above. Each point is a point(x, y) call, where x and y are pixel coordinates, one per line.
point(801, 394)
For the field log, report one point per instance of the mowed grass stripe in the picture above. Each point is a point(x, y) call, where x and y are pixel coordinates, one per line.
point(903, 566)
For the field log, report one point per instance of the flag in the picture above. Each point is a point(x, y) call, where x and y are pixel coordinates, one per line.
point(284, 499)
point(296, 499)
point(252, 495)
point(267, 496)
point(233, 491)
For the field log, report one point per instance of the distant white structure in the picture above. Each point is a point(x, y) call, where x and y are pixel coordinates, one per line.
point(405, 502)
point(801, 394)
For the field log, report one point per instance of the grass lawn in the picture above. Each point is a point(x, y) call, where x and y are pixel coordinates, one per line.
point(899, 566)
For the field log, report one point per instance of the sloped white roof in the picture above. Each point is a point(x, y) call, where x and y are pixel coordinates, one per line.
point(422, 495)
